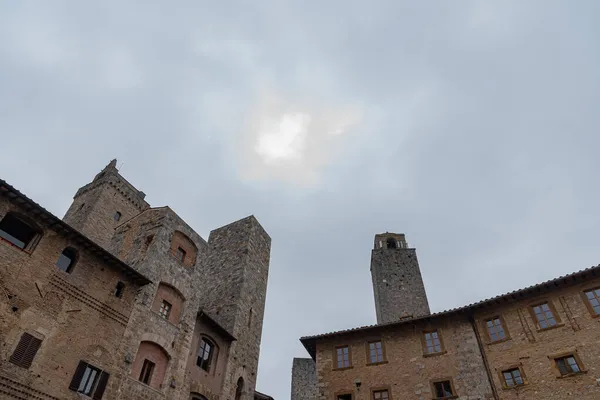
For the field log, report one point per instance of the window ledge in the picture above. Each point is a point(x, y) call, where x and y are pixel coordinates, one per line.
point(14, 246)
point(490, 342)
point(551, 327)
point(343, 369)
point(445, 398)
point(515, 387)
point(161, 318)
point(377, 363)
point(572, 374)
point(439, 353)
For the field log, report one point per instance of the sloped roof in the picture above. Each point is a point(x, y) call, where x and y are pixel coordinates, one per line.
point(63, 228)
point(309, 342)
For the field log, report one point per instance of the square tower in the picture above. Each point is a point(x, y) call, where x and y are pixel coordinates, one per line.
point(397, 283)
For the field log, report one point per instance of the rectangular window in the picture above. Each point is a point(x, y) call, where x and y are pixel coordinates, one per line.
point(495, 329)
point(512, 377)
point(89, 380)
point(180, 254)
point(375, 352)
point(146, 373)
point(25, 351)
point(567, 365)
point(165, 309)
point(593, 298)
point(17, 232)
point(443, 390)
point(544, 316)
point(432, 342)
point(345, 396)
point(380, 395)
point(343, 357)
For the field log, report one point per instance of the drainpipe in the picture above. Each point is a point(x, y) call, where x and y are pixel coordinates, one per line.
point(483, 357)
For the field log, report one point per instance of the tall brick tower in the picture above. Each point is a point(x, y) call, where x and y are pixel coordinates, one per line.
point(397, 283)
point(234, 291)
point(104, 203)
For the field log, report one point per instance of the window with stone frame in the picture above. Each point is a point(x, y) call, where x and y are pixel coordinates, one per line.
point(146, 372)
point(117, 216)
point(592, 297)
point(205, 354)
point(376, 352)
point(165, 309)
point(432, 343)
point(443, 389)
point(381, 394)
point(568, 365)
point(512, 377)
point(544, 315)
point(495, 329)
point(342, 357)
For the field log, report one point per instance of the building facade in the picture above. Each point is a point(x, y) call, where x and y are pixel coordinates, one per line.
point(121, 300)
point(536, 343)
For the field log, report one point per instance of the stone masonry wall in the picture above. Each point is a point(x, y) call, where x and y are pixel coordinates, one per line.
point(304, 379)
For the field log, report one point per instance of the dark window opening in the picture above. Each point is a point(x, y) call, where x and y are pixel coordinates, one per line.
point(119, 289)
point(117, 216)
point(17, 232)
point(205, 354)
point(391, 243)
point(512, 377)
point(567, 365)
point(180, 254)
point(89, 380)
point(66, 261)
point(146, 373)
point(250, 318)
point(345, 396)
point(239, 389)
point(81, 206)
point(443, 390)
point(25, 351)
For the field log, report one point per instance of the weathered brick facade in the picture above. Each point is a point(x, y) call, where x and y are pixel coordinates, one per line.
point(138, 308)
point(536, 343)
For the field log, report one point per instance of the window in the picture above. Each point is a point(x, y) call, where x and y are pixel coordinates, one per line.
point(443, 390)
point(512, 377)
point(567, 365)
point(205, 354)
point(25, 350)
point(544, 315)
point(345, 396)
point(119, 289)
point(593, 300)
point(198, 397)
point(146, 373)
point(495, 329)
point(375, 352)
point(342, 357)
point(180, 254)
point(165, 309)
point(66, 260)
point(17, 232)
point(239, 388)
point(381, 394)
point(117, 216)
point(391, 243)
point(432, 342)
point(89, 380)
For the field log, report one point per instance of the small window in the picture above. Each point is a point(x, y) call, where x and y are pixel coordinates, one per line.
point(205, 354)
point(495, 329)
point(593, 299)
point(345, 396)
point(17, 232)
point(567, 365)
point(433, 344)
point(239, 388)
point(544, 315)
point(343, 357)
point(381, 395)
point(443, 390)
point(89, 380)
point(117, 216)
point(25, 351)
point(392, 243)
point(375, 352)
point(165, 309)
point(119, 289)
point(512, 377)
point(66, 260)
point(180, 254)
point(146, 373)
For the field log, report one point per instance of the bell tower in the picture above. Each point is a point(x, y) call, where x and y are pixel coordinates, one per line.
point(397, 282)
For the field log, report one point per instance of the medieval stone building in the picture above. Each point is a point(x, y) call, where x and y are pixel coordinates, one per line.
point(540, 342)
point(121, 300)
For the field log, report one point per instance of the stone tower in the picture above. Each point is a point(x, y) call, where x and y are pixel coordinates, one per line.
point(397, 283)
point(104, 203)
point(234, 292)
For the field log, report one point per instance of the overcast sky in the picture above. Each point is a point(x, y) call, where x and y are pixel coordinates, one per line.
point(471, 126)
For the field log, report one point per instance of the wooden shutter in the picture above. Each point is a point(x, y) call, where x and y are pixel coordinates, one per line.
point(101, 386)
point(78, 375)
point(25, 351)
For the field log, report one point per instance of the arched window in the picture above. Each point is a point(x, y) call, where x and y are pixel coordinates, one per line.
point(391, 243)
point(196, 396)
point(168, 303)
point(183, 249)
point(19, 231)
point(119, 289)
point(239, 389)
point(206, 353)
point(150, 364)
point(66, 261)
point(117, 216)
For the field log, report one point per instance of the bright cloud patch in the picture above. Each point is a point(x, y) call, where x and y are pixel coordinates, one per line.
point(283, 138)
